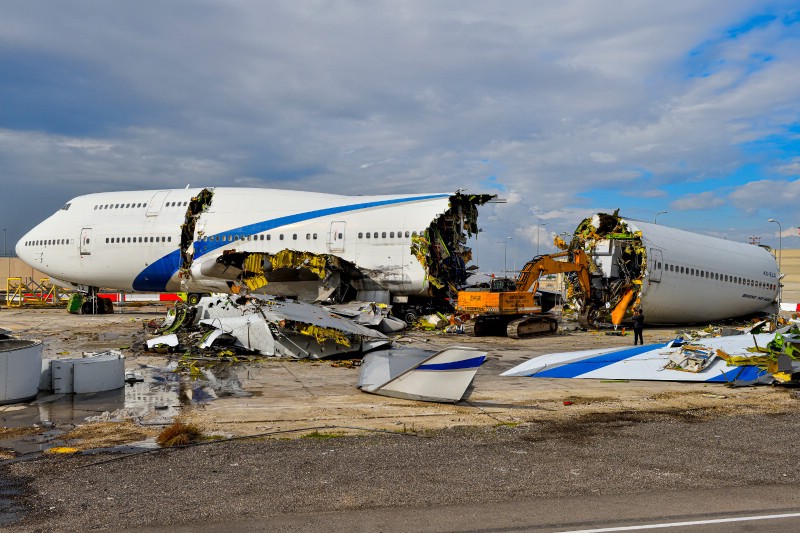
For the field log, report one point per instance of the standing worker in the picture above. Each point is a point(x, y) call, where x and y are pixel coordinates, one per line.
point(638, 327)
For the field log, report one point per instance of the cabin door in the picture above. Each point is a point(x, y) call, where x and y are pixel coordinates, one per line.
point(655, 265)
point(86, 241)
point(156, 202)
point(336, 237)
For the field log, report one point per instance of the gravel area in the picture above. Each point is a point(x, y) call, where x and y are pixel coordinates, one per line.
point(601, 453)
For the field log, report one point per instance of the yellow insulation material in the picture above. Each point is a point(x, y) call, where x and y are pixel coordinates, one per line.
point(321, 334)
point(254, 263)
point(255, 282)
point(292, 259)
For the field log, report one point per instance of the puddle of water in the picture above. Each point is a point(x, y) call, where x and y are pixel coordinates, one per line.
point(151, 401)
point(157, 400)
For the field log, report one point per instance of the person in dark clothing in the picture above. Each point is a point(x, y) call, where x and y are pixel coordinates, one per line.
point(638, 327)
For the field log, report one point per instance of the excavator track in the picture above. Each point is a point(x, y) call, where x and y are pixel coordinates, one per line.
point(519, 328)
point(529, 326)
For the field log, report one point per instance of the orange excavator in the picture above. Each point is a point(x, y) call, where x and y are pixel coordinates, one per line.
point(511, 307)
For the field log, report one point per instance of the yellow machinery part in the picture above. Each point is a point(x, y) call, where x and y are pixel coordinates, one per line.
point(619, 311)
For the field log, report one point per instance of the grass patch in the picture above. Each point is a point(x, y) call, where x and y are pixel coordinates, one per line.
point(322, 436)
point(179, 434)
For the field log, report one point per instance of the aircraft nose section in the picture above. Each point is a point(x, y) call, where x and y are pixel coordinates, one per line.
point(21, 249)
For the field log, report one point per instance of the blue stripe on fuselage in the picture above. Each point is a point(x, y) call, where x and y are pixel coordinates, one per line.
point(474, 362)
point(571, 370)
point(155, 276)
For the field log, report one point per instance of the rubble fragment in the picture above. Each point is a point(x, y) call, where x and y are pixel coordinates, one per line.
point(410, 374)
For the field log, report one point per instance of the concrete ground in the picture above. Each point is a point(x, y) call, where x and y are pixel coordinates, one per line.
point(291, 395)
point(512, 457)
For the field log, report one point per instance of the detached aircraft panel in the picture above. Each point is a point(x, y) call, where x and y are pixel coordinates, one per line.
point(647, 363)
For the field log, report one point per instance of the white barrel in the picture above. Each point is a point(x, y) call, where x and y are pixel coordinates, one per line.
point(20, 367)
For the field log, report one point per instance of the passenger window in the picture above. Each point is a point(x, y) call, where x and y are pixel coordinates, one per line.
point(413, 233)
point(315, 236)
point(383, 234)
point(360, 234)
point(407, 235)
point(341, 235)
point(681, 270)
point(391, 234)
point(308, 236)
point(375, 234)
point(294, 236)
point(368, 235)
point(269, 237)
point(106, 240)
point(280, 236)
point(95, 208)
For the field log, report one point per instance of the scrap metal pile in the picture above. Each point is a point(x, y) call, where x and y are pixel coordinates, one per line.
point(229, 328)
point(739, 360)
point(609, 240)
point(267, 326)
point(442, 250)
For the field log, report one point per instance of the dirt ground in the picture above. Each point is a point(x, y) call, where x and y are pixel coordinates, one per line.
point(292, 396)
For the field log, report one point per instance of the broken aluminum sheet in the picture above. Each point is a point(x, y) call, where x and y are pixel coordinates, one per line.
point(273, 326)
point(369, 314)
point(165, 340)
point(413, 374)
point(646, 362)
point(250, 331)
point(20, 367)
point(96, 372)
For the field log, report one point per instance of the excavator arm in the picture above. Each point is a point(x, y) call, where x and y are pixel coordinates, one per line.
point(578, 262)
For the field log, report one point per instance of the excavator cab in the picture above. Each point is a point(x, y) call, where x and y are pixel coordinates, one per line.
point(502, 285)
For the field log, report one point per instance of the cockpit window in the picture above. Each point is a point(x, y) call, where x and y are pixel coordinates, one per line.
point(66, 206)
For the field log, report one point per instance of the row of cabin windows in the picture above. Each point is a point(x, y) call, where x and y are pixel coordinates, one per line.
point(134, 205)
point(112, 240)
point(391, 234)
point(716, 276)
point(50, 242)
point(268, 237)
point(309, 236)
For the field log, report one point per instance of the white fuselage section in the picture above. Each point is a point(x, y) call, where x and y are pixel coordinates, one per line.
point(693, 278)
point(131, 240)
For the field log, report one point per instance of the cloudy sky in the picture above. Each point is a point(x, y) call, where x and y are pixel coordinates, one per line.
point(562, 108)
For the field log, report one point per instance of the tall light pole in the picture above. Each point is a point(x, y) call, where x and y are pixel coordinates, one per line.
point(780, 252)
point(655, 218)
point(780, 241)
point(538, 229)
point(4, 242)
point(505, 256)
point(477, 250)
point(515, 257)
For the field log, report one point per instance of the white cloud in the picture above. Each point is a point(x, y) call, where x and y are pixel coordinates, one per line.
point(767, 195)
point(560, 98)
point(792, 168)
point(703, 200)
